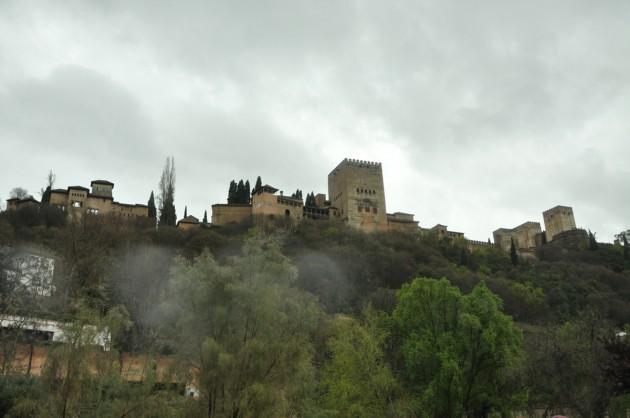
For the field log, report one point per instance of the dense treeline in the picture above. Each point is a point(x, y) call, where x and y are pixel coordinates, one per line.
point(319, 320)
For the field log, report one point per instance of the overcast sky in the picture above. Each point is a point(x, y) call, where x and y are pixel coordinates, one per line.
point(483, 113)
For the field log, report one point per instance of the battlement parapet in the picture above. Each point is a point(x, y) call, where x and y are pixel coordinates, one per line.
point(351, 162)
point(479, 243)
point(361, 163)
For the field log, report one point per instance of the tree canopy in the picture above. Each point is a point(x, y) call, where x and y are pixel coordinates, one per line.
point(456, 348)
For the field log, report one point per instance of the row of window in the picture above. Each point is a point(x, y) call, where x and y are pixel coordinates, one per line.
point(366, 191)
point(367, 209)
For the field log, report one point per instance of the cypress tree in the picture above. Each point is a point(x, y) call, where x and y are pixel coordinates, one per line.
point(310, 199)
point(232, 192)
point(297, 194)
point(258, 184)
point(240, 192)
point(248, 192)
point(513, 254)
point(625, 247)
point(463, 257)
point(185, 211)
point(205, 216)
point(151, 205)
point(46, 196)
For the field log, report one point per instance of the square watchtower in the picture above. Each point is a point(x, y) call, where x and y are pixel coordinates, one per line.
point(356, 190)
point(558, 219)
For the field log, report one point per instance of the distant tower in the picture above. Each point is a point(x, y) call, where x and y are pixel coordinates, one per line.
point(102, 188)
point(356, 190)
point(558, 219)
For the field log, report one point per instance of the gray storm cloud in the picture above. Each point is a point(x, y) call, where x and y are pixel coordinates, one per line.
point(484, 114)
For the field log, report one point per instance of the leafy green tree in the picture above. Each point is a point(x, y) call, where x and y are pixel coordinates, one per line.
point(243, 330)
point(70, 365)
point(151, 205)
point(571, 354)
point(166, 198)
point(617, 366)
point(456, 349)
point(513, 253)
point(358, 381)
point(625, 247)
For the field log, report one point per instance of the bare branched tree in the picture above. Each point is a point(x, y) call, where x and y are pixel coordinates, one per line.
point(19, 193)
point(50, 183)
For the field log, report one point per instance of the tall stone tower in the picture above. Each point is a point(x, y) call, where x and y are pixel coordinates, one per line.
point(356, 191)
point(558, 219)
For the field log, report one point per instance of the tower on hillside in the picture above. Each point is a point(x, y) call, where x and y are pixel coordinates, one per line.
point(357, 193)
point(102, 188)
point(558, 219)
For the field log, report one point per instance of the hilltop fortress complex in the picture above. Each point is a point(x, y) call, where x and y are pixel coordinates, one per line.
point(78, 200)
point(356, 196)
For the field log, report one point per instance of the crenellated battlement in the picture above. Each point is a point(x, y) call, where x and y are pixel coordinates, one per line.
point(351, 162)
point(360, 163)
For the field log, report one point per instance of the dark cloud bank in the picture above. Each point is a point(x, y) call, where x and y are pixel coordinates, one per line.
point(484, 114)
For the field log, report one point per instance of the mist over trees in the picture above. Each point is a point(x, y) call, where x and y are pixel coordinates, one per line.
point(314, 320)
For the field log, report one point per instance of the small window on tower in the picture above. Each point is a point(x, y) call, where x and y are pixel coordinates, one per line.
point(374, 210)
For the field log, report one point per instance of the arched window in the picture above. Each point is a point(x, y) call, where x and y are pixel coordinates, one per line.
point(287, 212)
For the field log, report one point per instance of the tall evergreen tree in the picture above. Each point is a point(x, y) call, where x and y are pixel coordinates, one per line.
point(258, 184)
point(310, 199)
point(151, 205)
point(166, 198)
point(232, 193)
point(463, 257)
point(185, 211)
point(248, 192)
point(205, 216)
point(513, 254)
point(625, 247)
point(240, 192)
point(297, 194)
